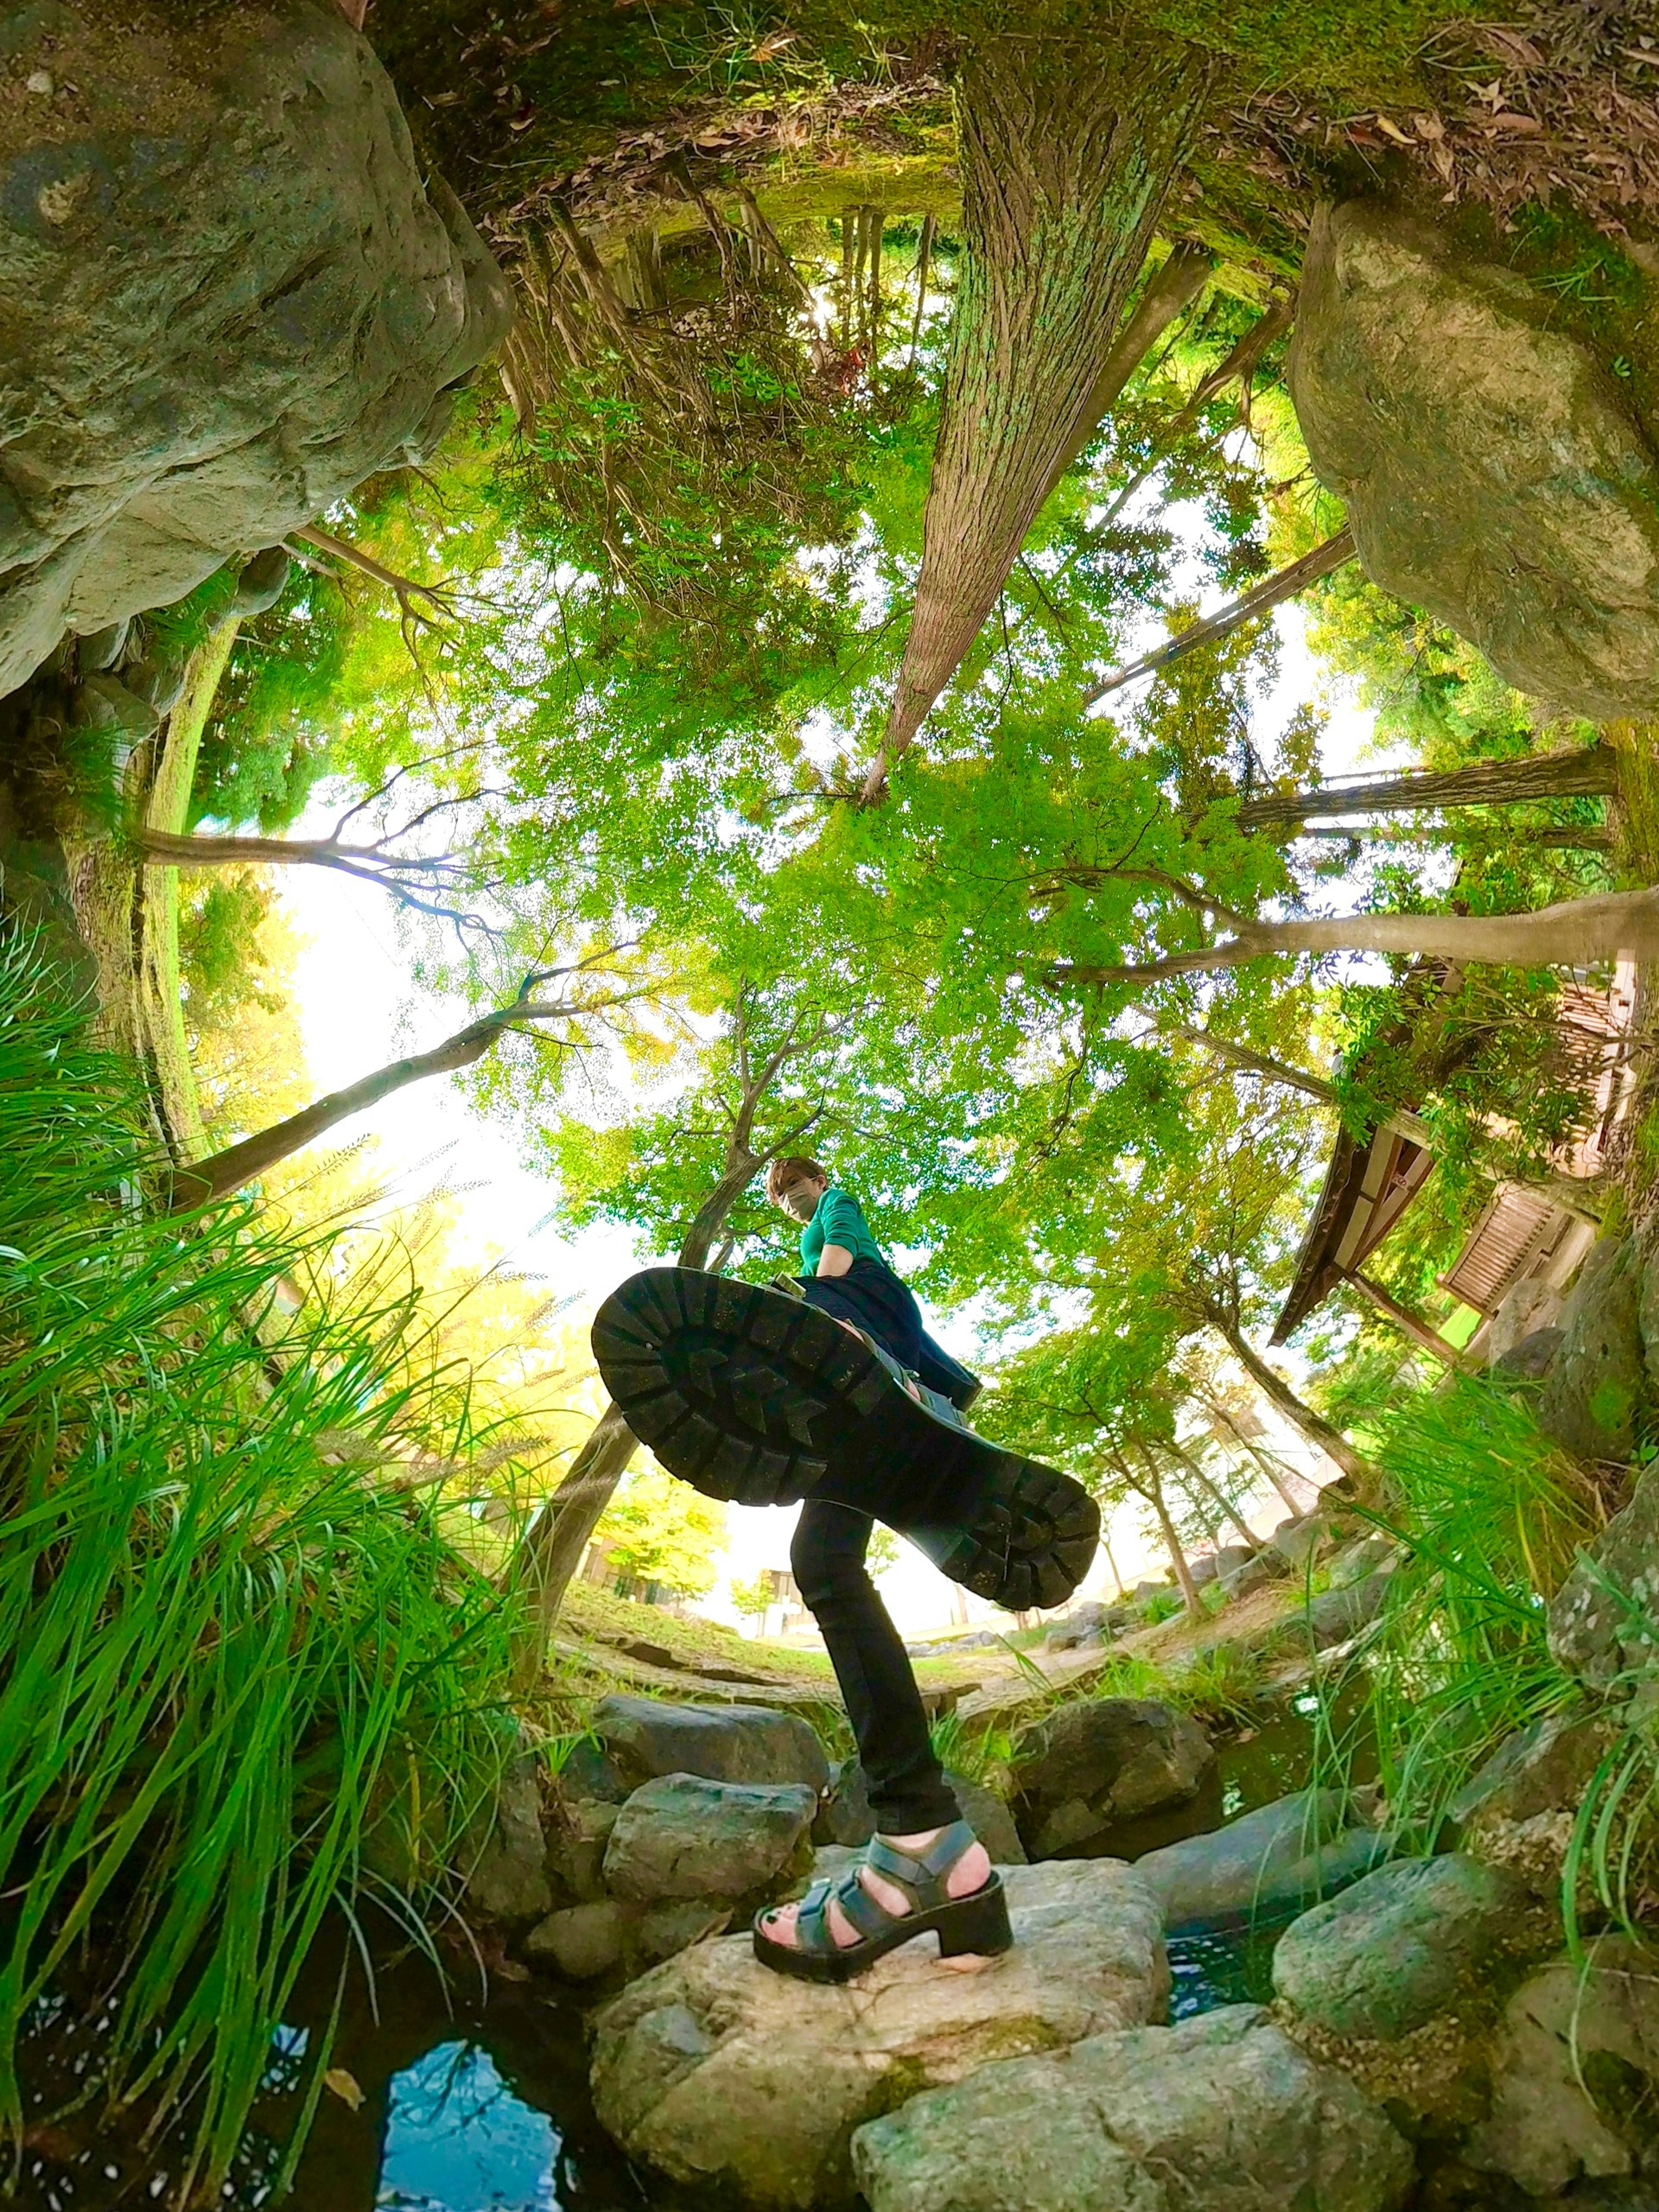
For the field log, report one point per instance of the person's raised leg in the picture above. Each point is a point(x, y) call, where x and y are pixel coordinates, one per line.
point(908, 1794)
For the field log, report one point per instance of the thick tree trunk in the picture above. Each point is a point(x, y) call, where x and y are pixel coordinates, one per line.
point(1587, 772)
point(1330, 1440)
point(1066, 154)
point(159, 847)
point(1578, 934)
point(1259, 600)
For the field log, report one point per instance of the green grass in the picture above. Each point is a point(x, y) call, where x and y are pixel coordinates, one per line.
point(233, 1671)
point(1493, 1515)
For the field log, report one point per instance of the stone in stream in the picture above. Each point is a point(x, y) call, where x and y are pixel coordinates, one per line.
point(1291, 1852)
point(1597, 1387)
point(1097, 1762)
point(845, 1816)
point(233, 292)
point(1492, 472)
point(683, 1837)
point(716, 2071)
point(644, 1737)
point(584, 1941)
point(1575, 2074)
point(505, 1853)
point(1398, 1946)
point(1223, 2114)
point(578, 1832)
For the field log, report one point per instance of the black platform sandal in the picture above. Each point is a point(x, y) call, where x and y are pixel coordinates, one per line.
point(973, 1924)
point(755, 1397)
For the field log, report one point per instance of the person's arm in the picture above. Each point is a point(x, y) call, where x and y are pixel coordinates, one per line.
point(842, 1215)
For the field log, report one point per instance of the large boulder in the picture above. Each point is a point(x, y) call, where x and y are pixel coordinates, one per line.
point(1492, 472)
point(717, 2072)
point(1098, 1762)
point(1387, 1955)
point(643, 1737)
point(1575, 2074)
point(228, 293)
point(845, 1816)
point(1288, 1853)
point(1604, 1619)
point(1223, 2114)
point(1596, 1385)
point(1216, 1566)
point(683, 1837)
point(1337, 1616)
point(1524, 1309)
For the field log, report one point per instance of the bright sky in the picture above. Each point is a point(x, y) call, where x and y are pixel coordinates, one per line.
point(357, 1010)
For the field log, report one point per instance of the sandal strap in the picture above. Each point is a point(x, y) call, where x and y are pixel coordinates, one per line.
point(921, 1875)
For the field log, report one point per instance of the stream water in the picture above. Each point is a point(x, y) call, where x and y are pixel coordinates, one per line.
point(455, 2100)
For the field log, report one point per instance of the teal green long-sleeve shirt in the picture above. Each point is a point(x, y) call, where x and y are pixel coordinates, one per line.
point(838, 1218)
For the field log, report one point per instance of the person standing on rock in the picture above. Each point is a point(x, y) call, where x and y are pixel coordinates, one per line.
point(924, 1855)
point(834, 1395)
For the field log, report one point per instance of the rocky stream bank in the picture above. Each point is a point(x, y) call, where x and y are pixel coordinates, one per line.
point(1422, 2036)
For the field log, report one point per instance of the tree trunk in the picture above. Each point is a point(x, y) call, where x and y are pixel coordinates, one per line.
point(552, 1550)
point(1258, 600)
point(1252, 1542)
point(1296, 1079)
point(1261, 1459)
point(1583, 932)
point(1587, 772)
point(1153, 1490)
point(224, 1172)
point(1168, 295)
point(162, 849)
point(1066, 160)
point(1330, 1441)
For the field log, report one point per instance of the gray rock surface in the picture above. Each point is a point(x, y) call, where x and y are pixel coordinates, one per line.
point(1574, 2073)
point(1337, 1616)
point(1597, 1384)
point(682, 1837)
point(1298, 1541)
point(1216, 1566)
point(1263, 1567)
point(1355, 1561)
point(1520, 1810)
point(1286, 1853)
point(1525, 1308)
point(577, 1836)
point(666, 1928)
point(230, 295)
point(507, 1879)
point(589, 1773)
point(1604, 1619)
point(1492, 471)
point(845, 1816)
point(1387, 1955)
point(1222, 2113)
point(643, 1737)
point(716, 2071)
point(1529, 1362)
point(1096, 1762)
point(583, 1942)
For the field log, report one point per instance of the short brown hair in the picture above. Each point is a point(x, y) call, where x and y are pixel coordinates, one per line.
point(783, 1175)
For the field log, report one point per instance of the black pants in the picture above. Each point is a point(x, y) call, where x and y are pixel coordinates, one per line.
point(906, 1786)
